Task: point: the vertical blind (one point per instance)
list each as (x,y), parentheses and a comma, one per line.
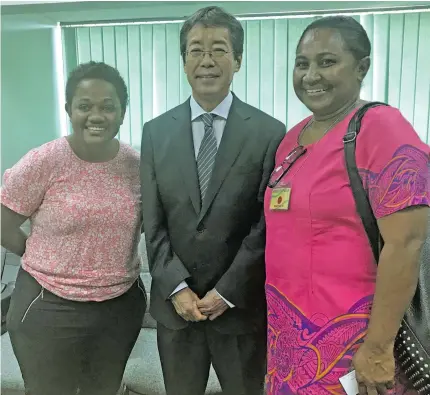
(148,57)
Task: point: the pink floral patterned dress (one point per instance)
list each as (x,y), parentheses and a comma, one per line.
(320,269)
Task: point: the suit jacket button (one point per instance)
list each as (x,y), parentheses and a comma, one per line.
(200,228)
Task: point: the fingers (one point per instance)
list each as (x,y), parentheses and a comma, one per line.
(183,313)
(209,310)
(193,309)
(206,309)
(190,312)
(371,390)
(374,378)
(390,385)
(185,304)
(362,389)
(382,389)
(210,306)
(217,313)
(197,315)
(192,316)
(214,316)
(204,304)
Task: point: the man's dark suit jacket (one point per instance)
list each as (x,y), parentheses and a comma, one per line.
(218,243)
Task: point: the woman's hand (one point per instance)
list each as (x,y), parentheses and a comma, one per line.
(374,369)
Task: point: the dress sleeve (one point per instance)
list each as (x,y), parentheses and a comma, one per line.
(25,184)
(393,162)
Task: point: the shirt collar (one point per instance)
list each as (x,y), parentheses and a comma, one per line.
(221,110)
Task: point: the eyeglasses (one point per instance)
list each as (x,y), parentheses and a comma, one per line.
(215,54)
(286,164)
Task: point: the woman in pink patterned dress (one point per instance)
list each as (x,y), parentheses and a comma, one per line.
(78,303)
(322,280)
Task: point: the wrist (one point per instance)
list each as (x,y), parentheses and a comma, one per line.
(180,292)
(381,334)
(378,345)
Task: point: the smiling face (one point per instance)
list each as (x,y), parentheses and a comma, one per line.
(95,111)
(327,77)
(210,77)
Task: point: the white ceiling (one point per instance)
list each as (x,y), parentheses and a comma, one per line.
(4,2)
(20,13)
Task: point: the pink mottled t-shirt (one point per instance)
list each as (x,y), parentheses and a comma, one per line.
(85,220)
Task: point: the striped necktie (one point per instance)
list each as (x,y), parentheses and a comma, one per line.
(207,153)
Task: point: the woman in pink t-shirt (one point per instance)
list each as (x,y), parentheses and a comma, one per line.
(322,280)
(78,303)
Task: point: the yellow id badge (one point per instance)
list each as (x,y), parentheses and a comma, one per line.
(280,199)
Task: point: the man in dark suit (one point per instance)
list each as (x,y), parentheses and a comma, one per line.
(205,166)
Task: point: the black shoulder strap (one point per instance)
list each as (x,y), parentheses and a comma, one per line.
(362,202)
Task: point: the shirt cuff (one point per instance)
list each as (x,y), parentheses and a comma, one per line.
(180,287)
(231,305)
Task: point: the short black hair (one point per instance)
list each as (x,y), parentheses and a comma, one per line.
(99,71)
(351,31)
(213,16)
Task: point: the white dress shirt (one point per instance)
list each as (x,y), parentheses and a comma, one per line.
(198,129)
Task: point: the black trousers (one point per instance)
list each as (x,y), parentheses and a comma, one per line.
(186,355)
(62,346)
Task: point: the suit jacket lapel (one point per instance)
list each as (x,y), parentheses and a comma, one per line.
(184,148)
(231,144)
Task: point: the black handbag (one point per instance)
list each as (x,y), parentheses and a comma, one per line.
(412,345)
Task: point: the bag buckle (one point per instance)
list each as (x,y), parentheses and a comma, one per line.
(349,137)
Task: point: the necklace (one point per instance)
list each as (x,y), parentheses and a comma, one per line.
(342,115)
(304,149)
(337,120)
